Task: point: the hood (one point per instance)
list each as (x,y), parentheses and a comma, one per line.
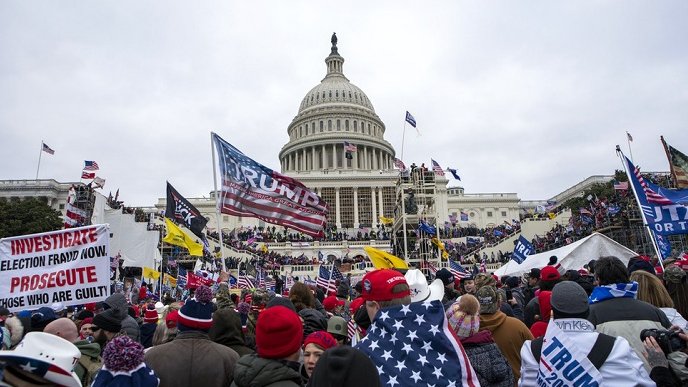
(226,329)
(118,301)
(313,321)
(482,337)
(492,321)
(255,371)
(88,349)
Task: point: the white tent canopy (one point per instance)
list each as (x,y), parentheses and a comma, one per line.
(572,256)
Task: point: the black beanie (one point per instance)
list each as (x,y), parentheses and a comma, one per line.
(110,320)
(84,314)
(344,366)
(283,301)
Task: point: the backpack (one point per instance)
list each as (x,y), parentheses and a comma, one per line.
(598,353)
(91,367)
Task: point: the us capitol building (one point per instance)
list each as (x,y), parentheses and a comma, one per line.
(360,186)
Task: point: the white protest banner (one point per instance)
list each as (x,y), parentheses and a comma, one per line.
(70,266)
(562,363)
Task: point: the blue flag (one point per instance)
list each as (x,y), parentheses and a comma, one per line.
(522,250)
(498,233)
(665,210)
(453,172)
(664,246)
(410,119)
(426,228)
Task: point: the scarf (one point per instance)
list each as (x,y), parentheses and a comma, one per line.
(607,292)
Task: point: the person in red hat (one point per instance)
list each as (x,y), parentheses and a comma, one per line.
(333,305)
(549,276)
(278,346)
(384,288)
(313,347)
(150,323)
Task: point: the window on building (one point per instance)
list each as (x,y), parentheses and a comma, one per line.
(62,206)
(329,125)
(503,214)
(346,200)
(365,207)
(321,126)
(489,214)
(339,126)
(346,125)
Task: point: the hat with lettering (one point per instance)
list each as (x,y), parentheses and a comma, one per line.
(337,326)
(445,275)
(569,297)
(549,273)
(322,339)
(420,290)
(378,285)
(487,297)
(47,356)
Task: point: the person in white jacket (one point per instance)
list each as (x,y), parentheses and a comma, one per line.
(620,367)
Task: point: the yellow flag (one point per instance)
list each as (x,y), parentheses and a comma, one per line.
(175,236)
(150,273)
(552,215)
(440,246)
(169,280)
(385,220)
(384,260)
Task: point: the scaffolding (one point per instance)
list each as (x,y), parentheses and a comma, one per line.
(416,201)
(80,203)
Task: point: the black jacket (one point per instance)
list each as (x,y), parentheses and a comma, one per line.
(255,371)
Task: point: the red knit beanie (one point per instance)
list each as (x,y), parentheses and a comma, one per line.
(150,316)
(172,318)
(322,339)
(278,332)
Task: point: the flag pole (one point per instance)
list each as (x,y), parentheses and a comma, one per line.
(329,280)
(403,135)
(217,203)
(40,154)
(640,207)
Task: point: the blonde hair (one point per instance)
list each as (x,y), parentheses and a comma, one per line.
(651,289)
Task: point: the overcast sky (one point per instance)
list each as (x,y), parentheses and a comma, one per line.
(524,97)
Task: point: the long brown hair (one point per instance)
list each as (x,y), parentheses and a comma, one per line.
(651,289)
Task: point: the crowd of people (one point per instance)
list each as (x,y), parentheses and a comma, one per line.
(608,323)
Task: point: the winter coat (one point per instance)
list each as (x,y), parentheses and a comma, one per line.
(626,317)
(531,310)
(509,333)
(226,330)
(89,363)
(147,331)
(622,367)
(489,364)
(313,321)
(255,371)
(675,318)
(191,359)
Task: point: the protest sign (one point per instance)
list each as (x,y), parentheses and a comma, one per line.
(70,266)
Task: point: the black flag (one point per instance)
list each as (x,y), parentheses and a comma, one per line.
(184,212)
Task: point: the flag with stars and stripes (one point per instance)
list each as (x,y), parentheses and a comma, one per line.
(664,211)
(181,277)
(253,190)
(457,270)
(436,168)
(412,345)
(325,281)
(245,282)
(425,264)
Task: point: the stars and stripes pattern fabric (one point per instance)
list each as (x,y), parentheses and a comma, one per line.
(349,147)
(336,274)
(324,281)
(679,167)
(181,277)
(245,282)
(429,267)
(88,175)
(457,270)
(412,344)
(399,164)
(652,196)
(90,165)
(251,189)
(483,266)
(621,186)
(436,168)
(48,149)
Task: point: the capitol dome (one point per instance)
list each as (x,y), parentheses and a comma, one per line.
(331,114)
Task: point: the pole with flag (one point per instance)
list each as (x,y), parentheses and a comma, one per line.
(44,148)
(412,121)
(217,204)
(640,206)
(629,139)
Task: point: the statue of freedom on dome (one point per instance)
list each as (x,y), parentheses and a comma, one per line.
(334,44)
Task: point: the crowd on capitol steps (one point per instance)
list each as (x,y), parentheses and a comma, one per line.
(607,324)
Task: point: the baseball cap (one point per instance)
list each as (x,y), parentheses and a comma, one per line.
(378,285)
(331,302)
(487,297)
(549,273)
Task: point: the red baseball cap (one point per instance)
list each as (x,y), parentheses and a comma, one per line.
(355,305)
(378,285)
(331,302)
(549,273)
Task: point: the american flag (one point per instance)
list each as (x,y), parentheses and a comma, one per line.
(309,281)
(652,196)
(457,270)
(245,281)
(90,165)
(429,266)
(436,168)
(349,147)
(483,266)
(250,189)
(48,149)
(288,282)
(324,280)
(621,186)
(336,274)
(412,344)
(399,164)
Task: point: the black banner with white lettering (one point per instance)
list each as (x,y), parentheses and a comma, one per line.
(179,209)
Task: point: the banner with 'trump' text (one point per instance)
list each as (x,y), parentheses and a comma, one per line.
(70,266)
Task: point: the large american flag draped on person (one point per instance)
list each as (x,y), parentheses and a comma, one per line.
(412,345)
(253,190)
